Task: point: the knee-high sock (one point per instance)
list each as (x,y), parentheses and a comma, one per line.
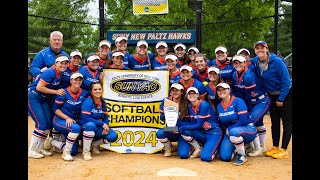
(193,142)
(238,143)
(58,144)
(97,143)
(36,137)
(256,143)
(165,142)
(70,141)
(55,134)
(262,134)
(87,140)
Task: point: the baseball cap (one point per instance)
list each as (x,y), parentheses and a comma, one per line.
(61,58)
(194,48)
(177,86)
(243,49)
(120,38)
(75,75)
(161,43)
(220,48)
(117,54)
(171,56)
(142,42)
(93,57)
(239,58)
(187,67)
(215,69)
(105,42)
(192,89)
(260,42)
(223,85)
(180,45)
(75,53)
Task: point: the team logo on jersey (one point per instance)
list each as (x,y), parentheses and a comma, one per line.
(138,87)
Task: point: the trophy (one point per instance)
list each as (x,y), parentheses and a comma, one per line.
(171,114)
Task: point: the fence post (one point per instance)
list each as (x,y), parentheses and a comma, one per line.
(101,19)
(199,24)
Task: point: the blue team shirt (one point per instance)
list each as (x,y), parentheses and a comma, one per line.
(203,117)
(159,63)
(233,114)
(65,79)
(195,83)
(89,76)
(91,113)
(226,70)
(137,63)
(70,103)
(201,76)
(212,94)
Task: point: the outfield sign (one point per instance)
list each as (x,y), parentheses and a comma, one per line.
(133,101)
(150,7)
(153,36)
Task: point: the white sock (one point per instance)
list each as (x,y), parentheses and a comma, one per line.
(256,143)
(193,142)
(165,142)
(87,140)
(70,141)
(238,143)
(262,134)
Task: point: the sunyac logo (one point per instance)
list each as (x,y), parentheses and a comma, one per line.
(138,87)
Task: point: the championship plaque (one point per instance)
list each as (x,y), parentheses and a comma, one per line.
(171,113)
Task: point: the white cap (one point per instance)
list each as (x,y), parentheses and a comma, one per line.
(243,49)
(180,45)
(193,89)
(75,75)
(239,58)
(187,67)
(61,58)
(171,56)
(215,69)
(76,53)
(120,38)
(220,48)
(177,86)
(195,49)
(224,85)
(93,57)
(142,42)
(161,43)
(105,42)
(117,54)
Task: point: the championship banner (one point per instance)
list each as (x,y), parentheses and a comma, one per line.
(133,101)
(150,7)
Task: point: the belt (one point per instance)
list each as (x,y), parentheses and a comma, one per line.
(38,93)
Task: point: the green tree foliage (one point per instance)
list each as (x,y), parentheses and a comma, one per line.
(51,15)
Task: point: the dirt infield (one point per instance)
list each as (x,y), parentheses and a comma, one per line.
(112,165)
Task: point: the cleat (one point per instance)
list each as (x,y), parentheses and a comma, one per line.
(272,151)
(47,143)
(67,157)
(168,152)
(196,153)
(281,154)
(87,156)
(44,152)
(241,159)
(255,153)
(95,149)
(35,154)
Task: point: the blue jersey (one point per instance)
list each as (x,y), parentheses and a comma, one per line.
(125,61)
(70,103)
(275,77)
(233,114)
(201,76)
(137,63)
(44,58)
(194,83)
(92,113)
(65,79)
(89,76)
(50,77)
(203,117)
(162,116)
(175,77)
(212,94)
(159,63)
(226,69)
(247,88)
